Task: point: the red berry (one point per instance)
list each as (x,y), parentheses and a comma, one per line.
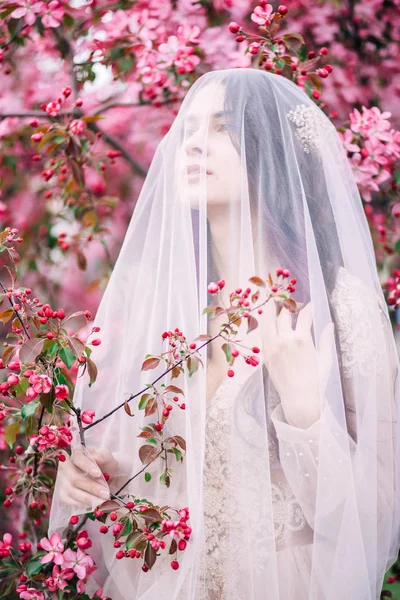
(158,426)
(113,516)
(19,450)
(182,406)
(182,544)
(145,568)
(256,350)
(120,554)
(231,373)
(7,502)
(175,565)
(130,505)
(103,529)
(74,519)
(192,346)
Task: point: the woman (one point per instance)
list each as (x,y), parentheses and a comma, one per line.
(291,468)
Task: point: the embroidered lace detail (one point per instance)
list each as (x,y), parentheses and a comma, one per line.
(311,126)
(357,318)
(288,516)
(228,493)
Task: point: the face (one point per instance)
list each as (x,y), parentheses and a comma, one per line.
(208,162)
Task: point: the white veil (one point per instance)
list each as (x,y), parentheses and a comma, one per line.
(276,510)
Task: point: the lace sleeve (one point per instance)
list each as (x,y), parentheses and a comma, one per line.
(366,342)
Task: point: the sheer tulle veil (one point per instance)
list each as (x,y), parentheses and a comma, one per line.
(252,176)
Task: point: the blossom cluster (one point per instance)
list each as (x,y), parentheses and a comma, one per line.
(374,148)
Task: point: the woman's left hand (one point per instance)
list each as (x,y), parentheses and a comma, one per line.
(298,370)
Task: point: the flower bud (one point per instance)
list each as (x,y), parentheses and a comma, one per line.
(234,27)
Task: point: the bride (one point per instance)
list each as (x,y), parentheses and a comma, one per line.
(291,467)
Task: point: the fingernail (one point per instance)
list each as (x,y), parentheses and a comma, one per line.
(104,494)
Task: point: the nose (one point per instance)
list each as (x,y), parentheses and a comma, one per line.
(195,143)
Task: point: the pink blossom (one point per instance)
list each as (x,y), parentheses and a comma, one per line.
(82,564)
(372,122)
(59,578)
(348,141)
(53,15)
(54,548)
(31,594)
(53,109)
(28,9)
(82,540)
(31,394)
(263,16)
(5,545)
(88,416)
(61,392)
(52,436)
(77,126)
(40,383)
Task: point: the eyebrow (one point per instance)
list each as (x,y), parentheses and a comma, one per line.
(217,115)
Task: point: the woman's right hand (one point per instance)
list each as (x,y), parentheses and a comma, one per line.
(81,482)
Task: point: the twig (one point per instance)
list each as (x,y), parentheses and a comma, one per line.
(177,364)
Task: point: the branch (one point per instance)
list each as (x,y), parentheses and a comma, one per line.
(177,364)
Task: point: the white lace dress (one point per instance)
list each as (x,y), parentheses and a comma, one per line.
(288,445)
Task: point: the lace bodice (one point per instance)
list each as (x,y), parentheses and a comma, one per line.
(222,519)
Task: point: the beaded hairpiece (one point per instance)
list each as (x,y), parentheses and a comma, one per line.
(310,125)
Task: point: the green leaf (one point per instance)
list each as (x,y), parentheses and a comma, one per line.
(127,528)
(397,246)
(29,409)
(152,440)
(147,477)
(133,539)
(67,356)
(11,433)
(178,453)
(227,348)
(34,567)
(143,401)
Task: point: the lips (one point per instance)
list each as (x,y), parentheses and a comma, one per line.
(195,169)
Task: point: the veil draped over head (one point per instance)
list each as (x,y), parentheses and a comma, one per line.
(252,176)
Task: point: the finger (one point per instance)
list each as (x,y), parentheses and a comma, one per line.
(86,463)
(91,486)
(101,456)
(284,321)
(77,497)
(304,320)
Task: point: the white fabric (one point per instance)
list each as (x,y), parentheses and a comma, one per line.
(277,511)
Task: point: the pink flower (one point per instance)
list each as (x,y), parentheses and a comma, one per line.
(54,548)
(28,9)
(263,16)
(62,392)
(31,594)
(213,288)
(77,126)
(53,109)
(59,578)
(88,416)
(54,14)
(82,564)
(31,394)
(52,436)
(371,123)
(82,540)
(40,383)
(347,140)
(5,545)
